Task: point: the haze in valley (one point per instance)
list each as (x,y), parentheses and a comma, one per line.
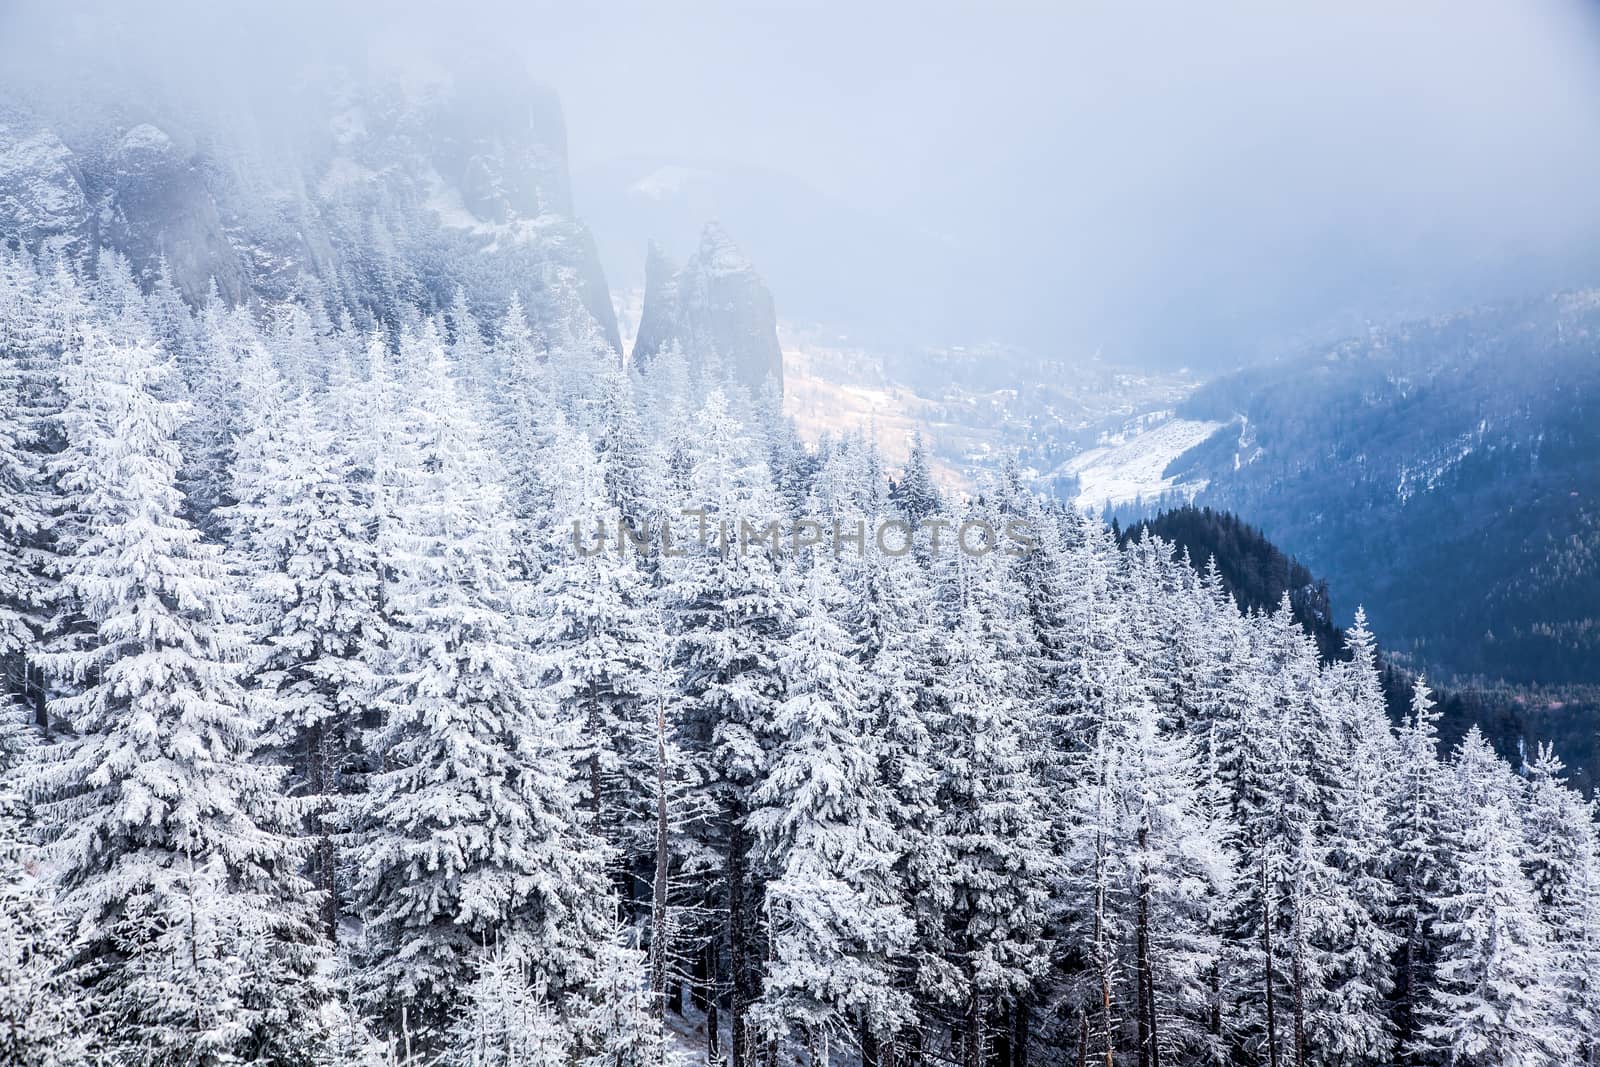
(1169,185)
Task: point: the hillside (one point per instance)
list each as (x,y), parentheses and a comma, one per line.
(1446,474)
(1515,719)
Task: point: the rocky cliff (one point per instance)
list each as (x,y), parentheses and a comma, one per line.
(716,308)
(383,189)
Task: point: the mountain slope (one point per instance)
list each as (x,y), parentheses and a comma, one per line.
(1259,574)
(387,188)
(1446,474)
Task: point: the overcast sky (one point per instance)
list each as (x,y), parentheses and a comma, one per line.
(1146,173)
(1173,182)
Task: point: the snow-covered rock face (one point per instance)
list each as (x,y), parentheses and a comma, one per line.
(145,149)
(717,308)
(371,183)
(142,197)
(475,174)
(156,203)
(41,191)
(516,172)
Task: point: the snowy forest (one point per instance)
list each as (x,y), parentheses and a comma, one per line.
(326,746)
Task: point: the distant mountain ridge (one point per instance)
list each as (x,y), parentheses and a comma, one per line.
(387,191)
(1445,473)
(1258,574)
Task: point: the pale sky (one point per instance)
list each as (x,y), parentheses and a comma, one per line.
(1171,182)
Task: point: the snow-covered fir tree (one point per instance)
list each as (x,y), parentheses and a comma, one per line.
(469,833)
(824,823)
(359,754)
(302,529)
(40,1019)
(175,853)
(1491,1001)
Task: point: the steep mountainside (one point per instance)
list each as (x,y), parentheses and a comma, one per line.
(1446,474)
(716,309)
(832,262)
(1255,571)
(387,189)
(1259,574)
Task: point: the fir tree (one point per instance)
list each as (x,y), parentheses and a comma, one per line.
(173,850)
(729,613)
(41,1021)
(823,822)
(1419,864)
(1561,859)
(916,494)
(469,834)
(302,527)
(1490,1003)
(985,863)
(590,638)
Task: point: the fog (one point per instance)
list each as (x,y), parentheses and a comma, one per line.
(1167,184)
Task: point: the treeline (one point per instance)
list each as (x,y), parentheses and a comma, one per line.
(1254,570)
(1514,719)
(330,749)
(1458,454)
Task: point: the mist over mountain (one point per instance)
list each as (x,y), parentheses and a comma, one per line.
(1445,472)
(453,615)
(834,263)
(1201,190)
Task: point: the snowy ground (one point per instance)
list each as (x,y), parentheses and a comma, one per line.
(686,1044)
(1132,465)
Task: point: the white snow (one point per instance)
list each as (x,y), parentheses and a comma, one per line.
(719,254)
(1425,475)
(344,173)
(146,138)
(666,181)
(1131,465)
(445,201)
(38,190)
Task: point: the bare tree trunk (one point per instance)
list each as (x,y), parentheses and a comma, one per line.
(319,781)
(1021,1031)
(596,727)
(1299,992)
(973,1037)
(713,1020)
(1000,1053)
(1216,1003)
(740,951)
(1083,1040)
(871,1052)
(1102,953)
(1149,1052)
(1406,1029)
(660,934)
(1266,945)
(700,992)
(33,681)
